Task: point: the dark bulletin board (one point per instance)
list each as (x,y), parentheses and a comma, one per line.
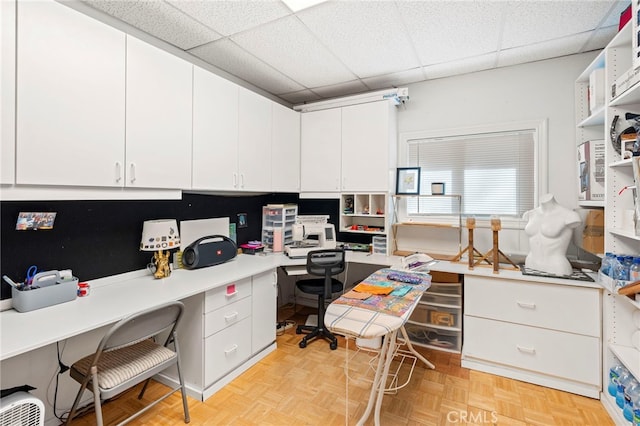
(96,239)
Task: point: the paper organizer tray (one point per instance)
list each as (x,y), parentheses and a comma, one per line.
(37,298)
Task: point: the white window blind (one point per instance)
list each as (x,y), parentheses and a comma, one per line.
(494,173)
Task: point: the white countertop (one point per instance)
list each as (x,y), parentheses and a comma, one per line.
(113,298)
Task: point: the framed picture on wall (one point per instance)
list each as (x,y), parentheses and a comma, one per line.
(408,181)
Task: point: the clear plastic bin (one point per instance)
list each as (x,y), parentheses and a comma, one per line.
(442,299)
(446,288)
(436,315)
(436,338)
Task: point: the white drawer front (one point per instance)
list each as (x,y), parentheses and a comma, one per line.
(558,307)
(555,353)
(226,349)
(227,315)
(226,294)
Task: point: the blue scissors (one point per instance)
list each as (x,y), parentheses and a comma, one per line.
(31,272)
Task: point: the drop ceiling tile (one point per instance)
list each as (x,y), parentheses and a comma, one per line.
(367,37)
(529,22)
(461,66)
(600,38)
(341,89)
(394,79)
(286,44)
(296,98)
(448,30)
(230,17)
(231,58)
(540,51)
(158,19)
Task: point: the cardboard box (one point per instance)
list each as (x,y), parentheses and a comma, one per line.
(593,233)
(591,167)
(596,89)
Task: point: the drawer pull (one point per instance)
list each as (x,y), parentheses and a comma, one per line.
(528,305)
(233,316)
(230,351)
(526,350)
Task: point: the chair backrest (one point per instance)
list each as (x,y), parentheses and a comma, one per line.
(143,325)
(326,262)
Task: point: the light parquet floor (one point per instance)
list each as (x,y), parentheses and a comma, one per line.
(294,386)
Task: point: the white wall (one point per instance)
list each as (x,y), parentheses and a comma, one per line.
(534,91)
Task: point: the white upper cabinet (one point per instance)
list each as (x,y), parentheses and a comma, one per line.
(320,151)
(70,98)
(7,91)
(215,132)
(254,142)
(368,146)
(159,115)
(285,150)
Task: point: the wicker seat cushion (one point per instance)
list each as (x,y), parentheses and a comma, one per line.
(118,366)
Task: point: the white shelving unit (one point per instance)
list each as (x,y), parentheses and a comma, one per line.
(619,313)
(363,213)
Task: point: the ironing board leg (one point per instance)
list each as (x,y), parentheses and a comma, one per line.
(378,380)
(411,348)
(388,357)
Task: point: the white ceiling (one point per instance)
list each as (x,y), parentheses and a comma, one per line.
(340,48)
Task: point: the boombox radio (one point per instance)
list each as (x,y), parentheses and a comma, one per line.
(208,251)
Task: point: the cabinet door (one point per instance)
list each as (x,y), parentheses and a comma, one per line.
(285,150)
(366,146)
(158,149)
(254,142)
(320,145)
(7,91)
(263,296)
(215,132)
(71,98)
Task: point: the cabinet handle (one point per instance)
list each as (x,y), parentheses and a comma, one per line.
(118,171)
(526,350)
(528,305)
(132,170)
(230,351)
(233,316)
(241,180)
(233,293)
(235,180)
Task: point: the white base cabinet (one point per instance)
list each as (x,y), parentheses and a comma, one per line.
(225,331)
(547,334)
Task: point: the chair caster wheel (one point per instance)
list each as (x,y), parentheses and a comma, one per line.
(298,331)
(302,344)
(333,346)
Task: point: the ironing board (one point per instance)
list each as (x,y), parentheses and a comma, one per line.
(379,316)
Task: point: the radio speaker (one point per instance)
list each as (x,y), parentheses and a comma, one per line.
(208,251)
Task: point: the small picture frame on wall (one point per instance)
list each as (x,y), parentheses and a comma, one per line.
(408,181)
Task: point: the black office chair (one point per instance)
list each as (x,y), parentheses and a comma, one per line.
(326,264)
(128,355)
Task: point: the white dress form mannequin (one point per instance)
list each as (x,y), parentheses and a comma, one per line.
(550,229)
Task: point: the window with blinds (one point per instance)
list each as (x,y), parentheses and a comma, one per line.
(494,172)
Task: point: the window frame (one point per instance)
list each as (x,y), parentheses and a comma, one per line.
(541,184)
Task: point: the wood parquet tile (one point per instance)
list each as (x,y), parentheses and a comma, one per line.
(294,386)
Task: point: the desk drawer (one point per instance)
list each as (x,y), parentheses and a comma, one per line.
(226,349)
(226,294)
(555,353)
(559,307)
(227,315)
